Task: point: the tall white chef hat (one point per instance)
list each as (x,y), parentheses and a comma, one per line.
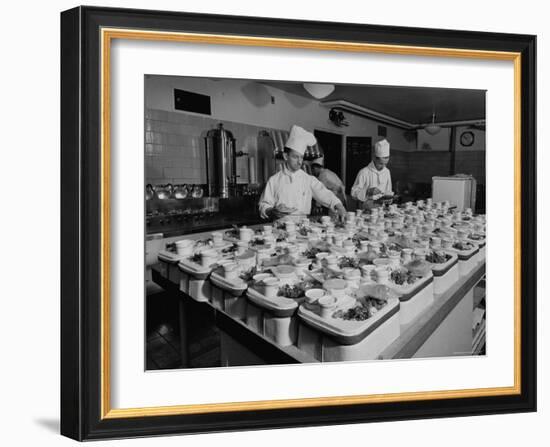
(382,148)
(299,139)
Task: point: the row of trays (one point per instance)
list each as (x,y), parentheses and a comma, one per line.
(289,321)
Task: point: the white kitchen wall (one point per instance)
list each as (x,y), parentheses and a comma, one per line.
(249,102)
(438,142)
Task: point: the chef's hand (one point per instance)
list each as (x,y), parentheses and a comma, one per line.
(280,211)
(341,212)
(373,191)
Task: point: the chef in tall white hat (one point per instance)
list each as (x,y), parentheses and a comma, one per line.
(289,191)
(374,180)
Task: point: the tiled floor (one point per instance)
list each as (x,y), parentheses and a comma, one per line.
(163,340)
(163,335)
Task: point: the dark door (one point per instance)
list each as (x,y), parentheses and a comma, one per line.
(331,144)
(358,155)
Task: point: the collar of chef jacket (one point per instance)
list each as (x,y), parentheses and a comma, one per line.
(376,171)
(291,175)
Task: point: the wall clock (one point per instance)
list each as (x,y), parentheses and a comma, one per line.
(467,138)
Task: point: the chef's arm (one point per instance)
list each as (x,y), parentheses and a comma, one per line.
(326,197)
(359,188)
(267,201)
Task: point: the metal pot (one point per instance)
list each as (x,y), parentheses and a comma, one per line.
(313,152)
(181,191)
(164,191)
(197,192)
(149,192)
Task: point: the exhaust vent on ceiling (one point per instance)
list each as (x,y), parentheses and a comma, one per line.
(192,102)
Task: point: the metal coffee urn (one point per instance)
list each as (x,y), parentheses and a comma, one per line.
(221,162)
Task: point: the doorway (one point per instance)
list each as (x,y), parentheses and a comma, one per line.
(358,155)
(331,144)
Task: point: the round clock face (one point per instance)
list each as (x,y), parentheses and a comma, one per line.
(467,138)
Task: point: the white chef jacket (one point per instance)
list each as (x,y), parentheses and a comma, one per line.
(370,177)
(295,190)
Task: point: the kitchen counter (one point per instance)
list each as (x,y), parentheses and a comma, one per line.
(212,223)
(177,217)
(418,332)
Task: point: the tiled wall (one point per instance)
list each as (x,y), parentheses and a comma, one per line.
(421,166)
(424,165)
(471,162)
(175,152)
(175,147)
(399,165)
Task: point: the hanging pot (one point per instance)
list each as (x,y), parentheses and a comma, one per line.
(181,191)
(164,191)
(149,192)
(197,192)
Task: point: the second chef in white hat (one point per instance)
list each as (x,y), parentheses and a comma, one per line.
(289,191)
(374,180)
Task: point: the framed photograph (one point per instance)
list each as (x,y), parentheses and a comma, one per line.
(277,223)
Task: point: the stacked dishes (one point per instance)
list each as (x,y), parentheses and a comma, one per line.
(313,270)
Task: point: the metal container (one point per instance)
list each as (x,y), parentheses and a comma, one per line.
(221,166)
(149,192)
(181,191)
(164,191)
(313,152)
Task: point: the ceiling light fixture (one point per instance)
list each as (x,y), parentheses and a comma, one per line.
(432,128)
(319,91)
